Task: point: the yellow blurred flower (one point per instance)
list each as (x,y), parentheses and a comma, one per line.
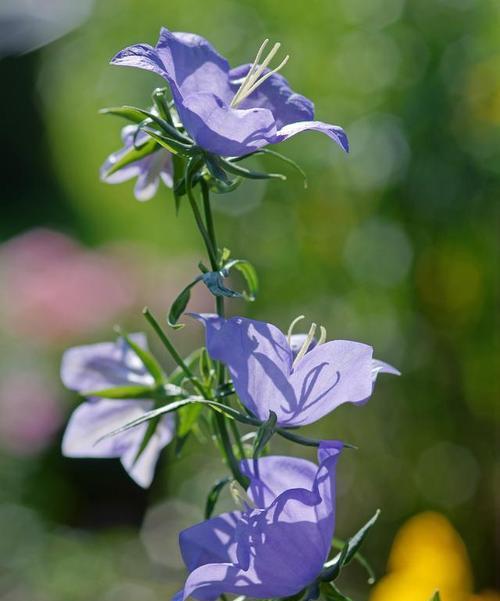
(428,555)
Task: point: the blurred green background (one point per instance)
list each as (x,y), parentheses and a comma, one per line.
(393,245)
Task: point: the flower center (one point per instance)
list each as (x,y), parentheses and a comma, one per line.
(308,339)
(254,78)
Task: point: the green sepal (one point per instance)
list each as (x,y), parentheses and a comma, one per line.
(179,186)
(127,112)
(160,99)
(330,592)
(248,173)
(133,154)
(122,392)
(179,305)
(249,273)
(264,434)
(333,567)
(286,160)
(149,361)
(214,166)
(213,496)
(167,142)
(339,544)
(436,596)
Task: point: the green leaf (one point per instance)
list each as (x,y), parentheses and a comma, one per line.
(148,435)
(188,416)
(264,434)
(213,496)
(330,592)
(333,567)
(122,392)
(248,173)
(149,361)
(249,274)
(133,154)
(179,305)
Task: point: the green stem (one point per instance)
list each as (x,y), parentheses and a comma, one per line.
(173,352)
(219,301)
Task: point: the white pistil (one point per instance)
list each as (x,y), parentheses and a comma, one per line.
(240,496)
(305,346)
(253,78)
(292,326)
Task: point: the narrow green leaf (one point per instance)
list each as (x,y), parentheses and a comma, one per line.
(188,416)
(213,496)
(148,435)
(122,392)
(248,173)
(264,434)
(179,305)
(228,412)
(249,274)
(179,187)
(355,541)
(149,361)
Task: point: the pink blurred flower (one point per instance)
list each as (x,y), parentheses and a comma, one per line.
(55,290)
(30,413)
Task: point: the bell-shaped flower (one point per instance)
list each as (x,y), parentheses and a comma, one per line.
(148,170)
(300,386)
(230,112)
(97,367)
(277,545)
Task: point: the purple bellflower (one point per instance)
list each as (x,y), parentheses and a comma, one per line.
(99,367)
(230,112)
(300,385)
(277,545)
(149,170)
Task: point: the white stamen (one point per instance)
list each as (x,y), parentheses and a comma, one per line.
(291,328)
(305,346)
(322,336)
(240,496)
(253,78)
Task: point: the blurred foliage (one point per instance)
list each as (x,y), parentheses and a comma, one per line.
(393,245)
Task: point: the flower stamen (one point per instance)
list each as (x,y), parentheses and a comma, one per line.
(254,77)
(305,346)
(322,336)
(292,327)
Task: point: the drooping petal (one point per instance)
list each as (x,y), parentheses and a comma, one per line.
(271,476)
(210,541)
(329,375)
(149,177)
(142,469)
(276,95)
(92,420)
(223,130)
(258,357)
(105,365)
(335,132)
(122,175)
(381,367)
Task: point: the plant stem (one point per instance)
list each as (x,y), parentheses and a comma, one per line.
(219,302)
(173,352)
